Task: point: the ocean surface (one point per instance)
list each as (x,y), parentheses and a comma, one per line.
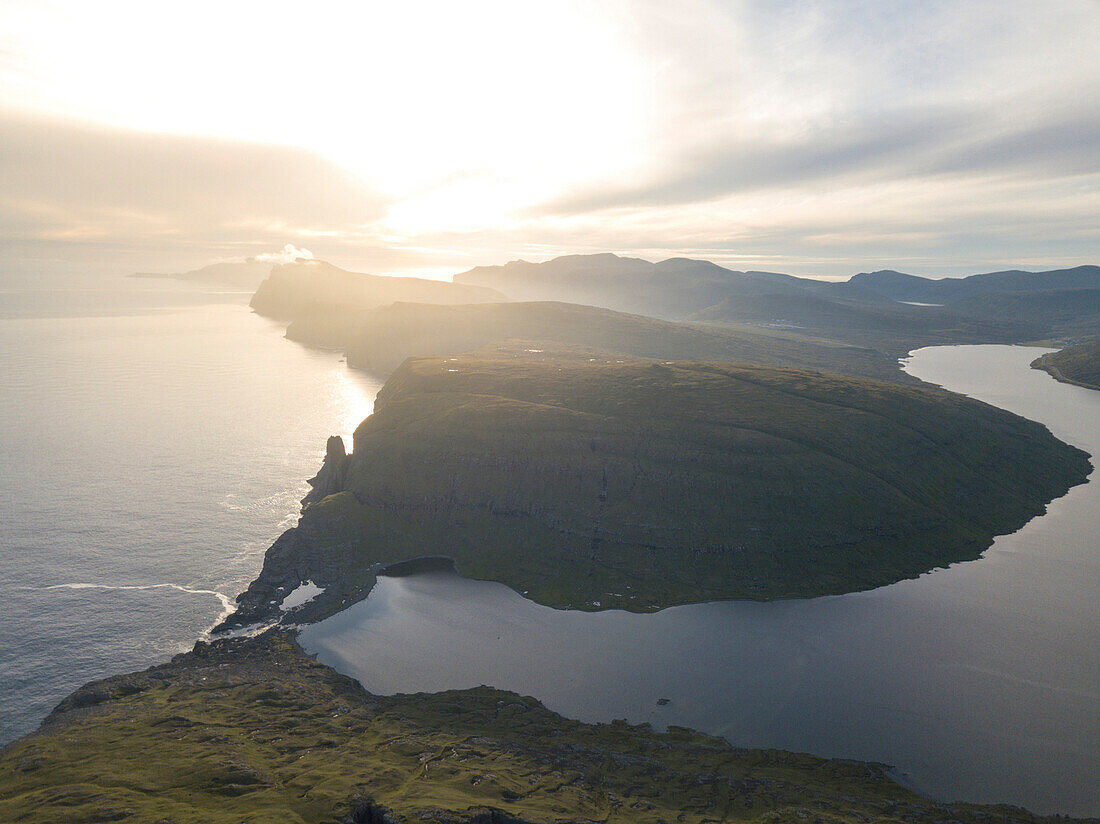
(155,438)
(980,682)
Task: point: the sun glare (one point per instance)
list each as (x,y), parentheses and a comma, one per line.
(461,111)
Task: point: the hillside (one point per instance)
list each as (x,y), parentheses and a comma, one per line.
(388,335)
(314,289)
(891,328)
(670,289)
(592,483)
(870,309)
(1079,364)
(255,730)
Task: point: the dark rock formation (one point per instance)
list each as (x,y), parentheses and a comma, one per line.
(330,479)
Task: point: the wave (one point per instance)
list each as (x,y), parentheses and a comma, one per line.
(226,602)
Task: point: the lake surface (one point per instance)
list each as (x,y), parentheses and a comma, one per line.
(980,682)
(155,438)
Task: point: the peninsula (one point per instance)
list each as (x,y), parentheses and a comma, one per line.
(593,481)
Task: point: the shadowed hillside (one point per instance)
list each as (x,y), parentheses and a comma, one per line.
(589,483)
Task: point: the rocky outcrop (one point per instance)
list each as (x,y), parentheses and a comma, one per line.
(330,479)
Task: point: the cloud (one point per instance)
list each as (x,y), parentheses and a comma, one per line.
(73,184)
(767,133)
(288,254)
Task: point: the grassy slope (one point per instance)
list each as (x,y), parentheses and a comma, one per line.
(1079,364)
(390,334)
(640,485)
(255,731)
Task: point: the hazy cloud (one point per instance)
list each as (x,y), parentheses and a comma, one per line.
(810,135)
(288,254)
(73,183)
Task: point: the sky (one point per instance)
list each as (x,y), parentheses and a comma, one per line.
(823,137)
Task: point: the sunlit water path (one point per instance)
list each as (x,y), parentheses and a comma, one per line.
(979,682)
(155,439)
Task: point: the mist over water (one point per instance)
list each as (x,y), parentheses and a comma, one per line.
(978,682)
(157,437)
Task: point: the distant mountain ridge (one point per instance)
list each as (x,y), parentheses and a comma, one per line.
(870,309)
(605,273)
(670,289)
(902,287)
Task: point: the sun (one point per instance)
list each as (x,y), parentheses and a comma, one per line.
(462,113)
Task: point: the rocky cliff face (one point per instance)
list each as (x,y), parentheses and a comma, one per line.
(330,479)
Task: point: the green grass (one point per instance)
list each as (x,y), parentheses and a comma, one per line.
(1078,364)
(255,731)
(638,485)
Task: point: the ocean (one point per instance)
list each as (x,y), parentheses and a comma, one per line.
(155,438)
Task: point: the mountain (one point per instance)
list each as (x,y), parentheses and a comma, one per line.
(670,289)
(901,287)
(871,309)
(627,483)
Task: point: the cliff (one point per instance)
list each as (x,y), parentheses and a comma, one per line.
(592,483)
(330,479)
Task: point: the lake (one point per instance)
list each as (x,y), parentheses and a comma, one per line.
(980,682)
